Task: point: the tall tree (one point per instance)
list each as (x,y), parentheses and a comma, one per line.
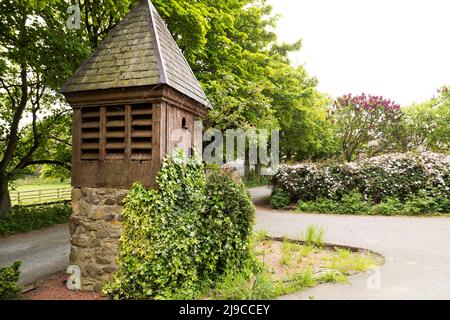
(34,59)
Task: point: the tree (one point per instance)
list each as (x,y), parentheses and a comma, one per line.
(34,60)
(247,74)
(230,45)
(362,119)
(301,111)
(425,126)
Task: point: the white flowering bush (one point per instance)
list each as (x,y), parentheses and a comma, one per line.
(377,179)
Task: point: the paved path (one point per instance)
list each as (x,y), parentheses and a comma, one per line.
(42,252)
(416,250)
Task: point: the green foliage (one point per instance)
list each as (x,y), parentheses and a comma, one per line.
(346,262)
(398,176)
(8,281)
(24,219)
(246,284)
(37,54)
(252,181)
(279,199)
(246,73)
(422,204)
(179,239)
(260,284)
(314,236)
(228,221)
(425,125)
(362,119)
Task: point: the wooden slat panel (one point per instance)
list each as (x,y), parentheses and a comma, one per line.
(76,135)
(90,146)
(141,146)
(90,125)
(141,134)
(115,124)
(92,114)
(128,118)
(115,134)
(90,135)
(142,112)
(142,122)
(115,113)
(102,133)
(115,145)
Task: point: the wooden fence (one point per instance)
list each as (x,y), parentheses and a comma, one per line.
(24,198)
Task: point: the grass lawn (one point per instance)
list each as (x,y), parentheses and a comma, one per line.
(39,191)
(252,182)
(290,267)
(38,184)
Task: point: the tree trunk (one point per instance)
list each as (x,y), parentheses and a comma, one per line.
(5,200)
(258,170)
(247,171)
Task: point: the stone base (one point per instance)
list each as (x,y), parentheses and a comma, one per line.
(95,228)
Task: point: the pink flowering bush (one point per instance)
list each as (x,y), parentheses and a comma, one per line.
(360,120)
(391,176)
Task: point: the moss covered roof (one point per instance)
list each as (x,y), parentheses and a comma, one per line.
(139,51)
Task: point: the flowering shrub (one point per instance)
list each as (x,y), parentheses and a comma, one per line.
(377,179)
(363,119)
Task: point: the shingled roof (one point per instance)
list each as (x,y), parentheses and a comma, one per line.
(139,51)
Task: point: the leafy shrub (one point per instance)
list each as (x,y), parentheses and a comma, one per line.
(24,219)
(350,204)
(389,207)
(179,239)
(353,204)
(377,179)
(279,199)
(8,281)
(227,223)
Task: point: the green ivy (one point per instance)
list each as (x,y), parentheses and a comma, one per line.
(8,281)
(180,238)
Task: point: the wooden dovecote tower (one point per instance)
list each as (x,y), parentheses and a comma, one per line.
(127,98)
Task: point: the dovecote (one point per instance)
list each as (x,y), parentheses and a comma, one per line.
(127,99)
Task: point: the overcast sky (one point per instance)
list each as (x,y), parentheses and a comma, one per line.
(396,48)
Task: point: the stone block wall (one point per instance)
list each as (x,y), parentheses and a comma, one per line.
(95,228)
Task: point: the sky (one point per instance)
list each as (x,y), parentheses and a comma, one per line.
(396,48)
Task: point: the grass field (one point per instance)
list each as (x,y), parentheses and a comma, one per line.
(38,184)
(39,191)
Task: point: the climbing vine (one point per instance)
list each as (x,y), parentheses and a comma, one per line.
(180,238)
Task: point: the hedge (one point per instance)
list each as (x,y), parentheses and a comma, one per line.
(25,219)
(378,179)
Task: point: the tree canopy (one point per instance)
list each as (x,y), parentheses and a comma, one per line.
(230,45)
